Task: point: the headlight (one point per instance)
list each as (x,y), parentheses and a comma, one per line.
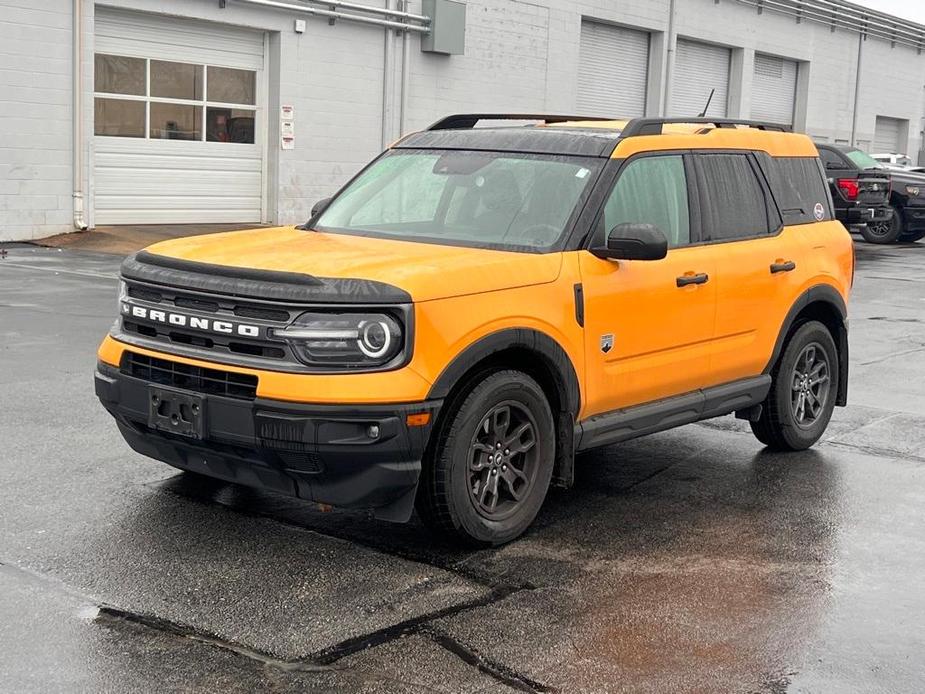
(123,293)
(359,340)
(913,191)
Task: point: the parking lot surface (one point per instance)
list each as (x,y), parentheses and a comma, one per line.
(689,561)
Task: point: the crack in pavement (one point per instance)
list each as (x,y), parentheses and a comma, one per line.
(497,671)
(321,661)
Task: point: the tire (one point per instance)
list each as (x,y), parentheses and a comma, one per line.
(884,232)
(466,492)
(912,236)
(783,425)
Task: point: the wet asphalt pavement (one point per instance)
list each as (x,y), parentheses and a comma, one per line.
(689,561)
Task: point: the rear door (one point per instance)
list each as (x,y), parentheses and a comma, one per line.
(648,324)
(759,262)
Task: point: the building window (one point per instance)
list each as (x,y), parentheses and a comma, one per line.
(166,100)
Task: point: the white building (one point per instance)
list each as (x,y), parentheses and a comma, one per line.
(185,104)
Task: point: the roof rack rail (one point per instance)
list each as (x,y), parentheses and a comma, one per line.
(462,121)
(653,126)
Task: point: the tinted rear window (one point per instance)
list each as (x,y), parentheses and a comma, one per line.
(798,185)
(737,207)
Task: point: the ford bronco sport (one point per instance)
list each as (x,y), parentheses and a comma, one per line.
(479,304)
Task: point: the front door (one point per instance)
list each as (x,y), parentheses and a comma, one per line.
(648,324)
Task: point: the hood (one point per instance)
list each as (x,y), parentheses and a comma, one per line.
(423,270)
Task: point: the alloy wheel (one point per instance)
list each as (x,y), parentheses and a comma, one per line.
(810,385)
(503,458)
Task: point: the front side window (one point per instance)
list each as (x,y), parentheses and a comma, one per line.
(652,190)
(167,100)
(483,199)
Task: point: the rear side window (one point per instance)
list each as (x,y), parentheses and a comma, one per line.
(736,206)
(799,186)
(652,190)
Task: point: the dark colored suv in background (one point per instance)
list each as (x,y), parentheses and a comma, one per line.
(885,205)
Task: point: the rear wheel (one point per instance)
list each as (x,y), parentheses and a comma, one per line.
(488,474)
(887,231)
(803,390)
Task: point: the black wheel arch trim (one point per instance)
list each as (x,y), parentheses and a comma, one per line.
(820,293)
(558,364)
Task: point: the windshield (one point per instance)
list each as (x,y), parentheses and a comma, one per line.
(484,199)
(863,160)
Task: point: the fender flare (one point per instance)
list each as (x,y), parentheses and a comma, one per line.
(559,366)
(552,353)
(820,293)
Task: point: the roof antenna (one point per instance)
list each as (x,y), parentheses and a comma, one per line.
(707,107)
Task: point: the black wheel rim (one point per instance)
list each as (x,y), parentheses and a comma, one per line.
(810,381)
(503,458)
(883,228)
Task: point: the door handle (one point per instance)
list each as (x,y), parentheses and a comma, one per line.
(685,280)
(789,266)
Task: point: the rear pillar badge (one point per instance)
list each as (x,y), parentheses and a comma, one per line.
(606,342)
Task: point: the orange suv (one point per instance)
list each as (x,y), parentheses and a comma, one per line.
(479,304)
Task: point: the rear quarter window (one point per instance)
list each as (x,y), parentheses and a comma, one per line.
(798,185)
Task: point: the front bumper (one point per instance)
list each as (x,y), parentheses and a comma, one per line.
(321,453)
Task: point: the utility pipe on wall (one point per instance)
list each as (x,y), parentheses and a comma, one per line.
(669,61)
(77,119)
(388,81)
(304,9)
(405,75)
(857,91)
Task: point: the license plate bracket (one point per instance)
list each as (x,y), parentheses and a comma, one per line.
(176,411)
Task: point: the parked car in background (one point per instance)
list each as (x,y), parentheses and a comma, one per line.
(904,220)
(861,196)
(900,162)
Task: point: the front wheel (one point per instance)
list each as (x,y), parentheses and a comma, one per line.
(887,231)
(803,391)
(488,474)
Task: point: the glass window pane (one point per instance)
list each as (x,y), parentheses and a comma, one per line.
(230,86)
(119,118)
(115,74)
(176,122)
(229,125)
(176,80)
(737,203)
(652,190)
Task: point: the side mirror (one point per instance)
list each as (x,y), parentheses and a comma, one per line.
(634,242)
(320,206)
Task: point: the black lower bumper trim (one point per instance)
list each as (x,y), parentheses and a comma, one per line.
(352,456)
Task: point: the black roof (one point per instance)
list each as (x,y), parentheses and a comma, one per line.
(587,142)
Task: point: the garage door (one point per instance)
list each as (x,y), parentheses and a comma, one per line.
(699,68)
(178,121)
(889,134)
(612,70)
(774,89)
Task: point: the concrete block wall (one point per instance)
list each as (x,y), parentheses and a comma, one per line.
(521,55)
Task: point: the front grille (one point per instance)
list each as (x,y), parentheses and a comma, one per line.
(219,307)
(187,377)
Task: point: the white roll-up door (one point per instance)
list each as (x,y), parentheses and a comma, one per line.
(700,68)
(774,89)
(179,121)
(612,70)
(888,136)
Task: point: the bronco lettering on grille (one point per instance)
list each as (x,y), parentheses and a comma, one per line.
(195,322)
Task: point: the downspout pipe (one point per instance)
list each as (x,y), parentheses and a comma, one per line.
(388,82)
(669,61)
(77,118)
(405,76)
(857,91)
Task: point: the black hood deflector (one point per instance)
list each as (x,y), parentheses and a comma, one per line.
(269,285)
